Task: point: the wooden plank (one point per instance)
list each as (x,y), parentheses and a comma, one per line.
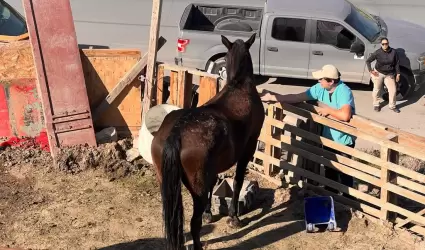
(192,71)
(101,76)
(208,88)
(268,164)
(160,86)
(386,177)
(408,220)
(358,154)
(333,184)
(184,89)
(110,52)
(404,192)
(410,184)
(329,163)
(412,216)
(152,52)
(124,82)
(174,78)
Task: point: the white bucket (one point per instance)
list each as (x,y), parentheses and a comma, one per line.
(153,120)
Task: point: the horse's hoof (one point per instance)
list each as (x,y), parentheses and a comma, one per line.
(207,218)
(234,223)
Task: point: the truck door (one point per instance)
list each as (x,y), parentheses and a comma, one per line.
(286,49)
(330,44)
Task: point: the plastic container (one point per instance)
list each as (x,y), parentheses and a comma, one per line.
(319,210)
(153,120)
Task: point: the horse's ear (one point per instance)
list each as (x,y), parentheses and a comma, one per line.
(250,41)
(226,42)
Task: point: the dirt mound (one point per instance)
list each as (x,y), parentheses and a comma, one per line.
(110,157)
(12,156)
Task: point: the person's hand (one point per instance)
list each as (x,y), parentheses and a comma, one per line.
(397,78)
(375,73)
(266,96)
(323,111)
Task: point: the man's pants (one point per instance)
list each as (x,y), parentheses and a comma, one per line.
(389,81)
(332,174)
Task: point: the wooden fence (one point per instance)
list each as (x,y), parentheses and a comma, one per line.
(292,146)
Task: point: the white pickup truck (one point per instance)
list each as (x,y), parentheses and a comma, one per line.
(298,37)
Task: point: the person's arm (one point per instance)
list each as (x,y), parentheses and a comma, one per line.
(397,66)
(344,113)
(310,94)
(371,58)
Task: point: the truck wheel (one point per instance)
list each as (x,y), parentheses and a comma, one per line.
(404,88)
(218,68)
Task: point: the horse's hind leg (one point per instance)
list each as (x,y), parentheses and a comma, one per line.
(199,204)
(207,216)
(233,220)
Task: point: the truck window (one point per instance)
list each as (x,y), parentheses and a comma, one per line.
(334,34)
(10,24)
(289,29)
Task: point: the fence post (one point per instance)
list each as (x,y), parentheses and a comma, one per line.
(296,160)
(387,176)
(160,85)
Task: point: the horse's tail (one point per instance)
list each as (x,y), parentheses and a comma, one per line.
(172,205)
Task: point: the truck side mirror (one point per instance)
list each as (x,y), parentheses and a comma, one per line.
(358,48)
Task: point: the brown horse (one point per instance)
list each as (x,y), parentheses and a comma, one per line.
(194,145)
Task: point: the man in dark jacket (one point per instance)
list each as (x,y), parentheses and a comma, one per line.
(387,71)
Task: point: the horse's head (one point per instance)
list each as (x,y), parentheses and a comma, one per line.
(238,59)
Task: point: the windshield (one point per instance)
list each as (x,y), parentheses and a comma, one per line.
(364,23)
(10,23)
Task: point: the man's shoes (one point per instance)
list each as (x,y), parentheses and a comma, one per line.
(377,108)
(396,110)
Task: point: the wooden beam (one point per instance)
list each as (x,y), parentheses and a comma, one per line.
(153,43)
(124,82)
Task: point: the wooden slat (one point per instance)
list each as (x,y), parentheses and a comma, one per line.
(356,153)
(415,228)
(329,163)
(387,177)
(330,155)
(406,221)
(152,55)
(110,52)
(208,88)
(333,184)
(192,71)
(412,216)
(265,158)
(405,193)
(410,184)
(174,88)
(160,86)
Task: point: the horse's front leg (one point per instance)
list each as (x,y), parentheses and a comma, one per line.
(233,220)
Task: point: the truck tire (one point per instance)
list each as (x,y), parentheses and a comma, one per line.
(404,89)
(218,68)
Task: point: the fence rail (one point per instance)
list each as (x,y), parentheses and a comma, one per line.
(293,146)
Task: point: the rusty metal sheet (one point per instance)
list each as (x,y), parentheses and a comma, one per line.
(59,72)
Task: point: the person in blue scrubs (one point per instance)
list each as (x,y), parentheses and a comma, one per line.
(337,100)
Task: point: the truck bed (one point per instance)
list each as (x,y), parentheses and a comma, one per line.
(212,18)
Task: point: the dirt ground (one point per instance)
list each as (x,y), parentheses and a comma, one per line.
(95,199)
